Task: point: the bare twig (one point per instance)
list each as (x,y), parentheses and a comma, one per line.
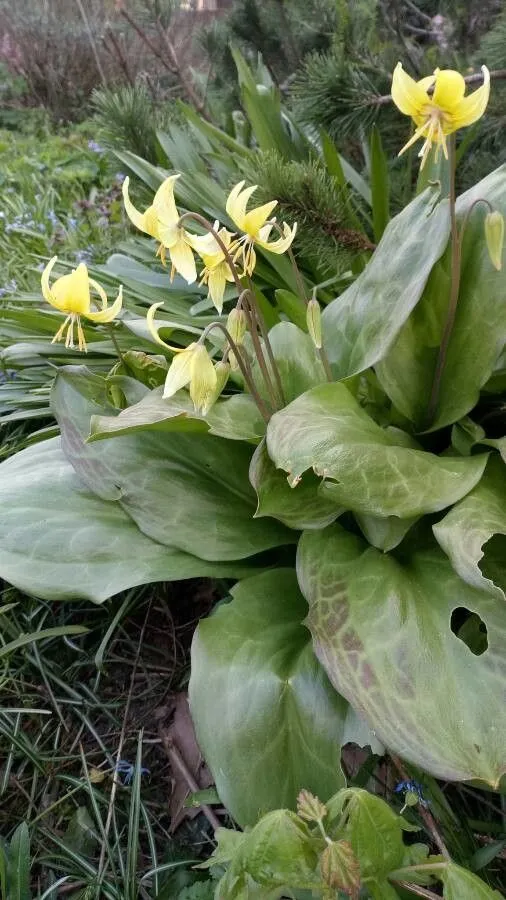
(177,761)
(418,890)
(119,53)
(92,42)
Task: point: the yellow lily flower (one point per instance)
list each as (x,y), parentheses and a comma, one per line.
(160,221)
(216,271)
(191,366)
(444,111)
(71,294)
(256,227)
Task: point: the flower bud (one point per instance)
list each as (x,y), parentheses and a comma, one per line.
(203,380)
(222,370)
(340,868)
(494,236)
(314,322)
(237,324)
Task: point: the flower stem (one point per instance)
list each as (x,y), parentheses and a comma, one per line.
(302,292)
(244,367)
(265,335)
(251,309)
(454,291)
(118,348)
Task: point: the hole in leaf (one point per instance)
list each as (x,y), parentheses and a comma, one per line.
(470,629)
(492,563)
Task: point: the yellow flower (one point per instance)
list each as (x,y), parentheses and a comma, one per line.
(191,366)
(441,113)
(160,221)
(216,271)
(256,227)
(71,294)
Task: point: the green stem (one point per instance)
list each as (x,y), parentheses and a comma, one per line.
(454,292)
(255,307)
(118,348)
(243,365)
(252,304)
(302,292)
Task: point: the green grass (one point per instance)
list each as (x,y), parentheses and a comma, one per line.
(73,704)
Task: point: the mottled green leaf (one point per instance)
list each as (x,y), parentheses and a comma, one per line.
(366,468)
(298,507)
(479,332)
(360,326)
(166,483)
(267,720)
(61,542)
(465,530)
(236,418)
(298,362)
(381,628)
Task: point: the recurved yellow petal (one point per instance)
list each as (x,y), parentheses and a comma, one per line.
(282,243)
(47,293)
(164,202)
(256,218)
(471,108)
(237,201)
(203,380)
(107,314)
(408,95)
(449,89)
(180,372)
(216,282)
(72,292)
(182,257)
(137,218)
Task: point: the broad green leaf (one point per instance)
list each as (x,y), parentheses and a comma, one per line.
(293,307)
(61,542)
(299,365)
(465,530)
(19,863)
(361,325)
(280,722)
(298,507)
(235,418)
(384,533)
(380,186)
(167,484)
(460,884)
(479,332)
(366,468)
(381,628)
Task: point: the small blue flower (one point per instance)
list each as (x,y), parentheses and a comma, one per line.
(411,787)
(7,375)
(53,218)
(72,223)
(96,148)
(120,177)
(128,771)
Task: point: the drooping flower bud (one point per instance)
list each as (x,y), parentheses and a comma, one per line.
(494,236)
(314,322)
(237,324)
(222,370)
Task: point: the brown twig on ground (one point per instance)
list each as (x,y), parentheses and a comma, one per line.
(177,761)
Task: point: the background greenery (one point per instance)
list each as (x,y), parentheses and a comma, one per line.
(73,121)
